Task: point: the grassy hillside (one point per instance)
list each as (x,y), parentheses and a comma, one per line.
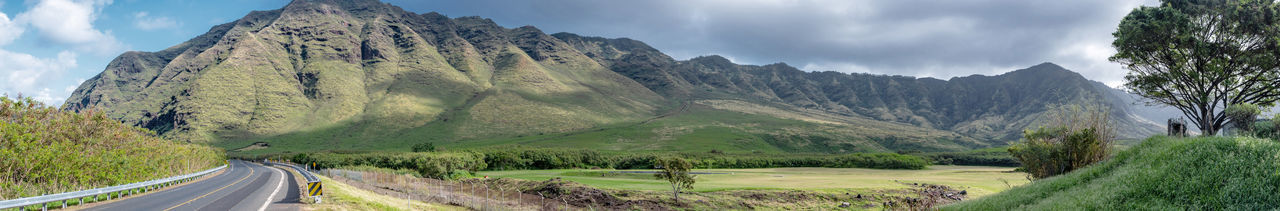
(44,150)
(1211,173)
(729,126)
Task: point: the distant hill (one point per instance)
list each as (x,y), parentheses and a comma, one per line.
(364,75)
(984,107)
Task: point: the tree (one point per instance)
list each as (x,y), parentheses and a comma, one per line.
(676,171)
(1242,117)
(424,147)
(1202,55)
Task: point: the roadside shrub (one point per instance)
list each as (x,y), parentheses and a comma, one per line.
(44,150)
(1077,138)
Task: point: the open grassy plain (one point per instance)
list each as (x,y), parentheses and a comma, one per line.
(977,180)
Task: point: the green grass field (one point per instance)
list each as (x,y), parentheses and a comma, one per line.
(978,180)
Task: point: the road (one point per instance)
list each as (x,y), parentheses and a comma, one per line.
(243,186)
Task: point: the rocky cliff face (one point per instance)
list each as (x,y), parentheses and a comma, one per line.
(319,63)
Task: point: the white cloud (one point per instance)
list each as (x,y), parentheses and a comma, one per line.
(144,21)
(25,74)
(9,29)
(71,22)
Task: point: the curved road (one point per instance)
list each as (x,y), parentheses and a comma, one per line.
(243,186)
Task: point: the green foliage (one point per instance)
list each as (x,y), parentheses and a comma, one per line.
(675,171)
(1242,116)
(980,157)
(367,168)
(434,165)
(1077,138)
(879,161)
(1054,151)
(1199,55)
(451,164)
(424,147)
(1162,173)
(44,150)
(538,158)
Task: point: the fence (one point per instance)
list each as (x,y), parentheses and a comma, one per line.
(474,194)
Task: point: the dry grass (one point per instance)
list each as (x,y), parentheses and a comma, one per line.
(977,180)
(339,196)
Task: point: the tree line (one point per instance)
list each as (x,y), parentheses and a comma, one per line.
(454,164)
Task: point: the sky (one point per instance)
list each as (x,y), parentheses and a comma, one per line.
(49,47)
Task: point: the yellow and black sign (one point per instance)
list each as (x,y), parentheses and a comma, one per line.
(315,189)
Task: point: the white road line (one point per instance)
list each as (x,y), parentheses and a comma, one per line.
(273,192)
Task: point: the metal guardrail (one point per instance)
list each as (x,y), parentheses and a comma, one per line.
(305,174)
(314,187)
(43,201)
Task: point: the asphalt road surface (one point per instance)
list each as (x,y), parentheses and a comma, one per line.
(243,186)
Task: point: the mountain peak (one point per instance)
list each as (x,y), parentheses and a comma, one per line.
(1046,69)
(711,59)
(1048,66)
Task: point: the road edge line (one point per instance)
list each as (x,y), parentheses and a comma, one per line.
(273,192)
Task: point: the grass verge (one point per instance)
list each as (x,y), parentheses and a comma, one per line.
(339,196)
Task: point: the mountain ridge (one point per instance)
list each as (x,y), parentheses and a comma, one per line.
(369,75)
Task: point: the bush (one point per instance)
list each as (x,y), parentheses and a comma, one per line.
(424,147)
(1078,138)
(1242,116)
(44,150)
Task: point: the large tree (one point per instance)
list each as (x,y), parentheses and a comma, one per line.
(1201,56)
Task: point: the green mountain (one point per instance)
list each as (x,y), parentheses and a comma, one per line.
(364,75)
(984,107)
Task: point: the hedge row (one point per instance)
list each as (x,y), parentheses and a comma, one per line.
(452,164)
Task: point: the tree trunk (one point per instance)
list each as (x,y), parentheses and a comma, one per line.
(1206,123)
(675,192)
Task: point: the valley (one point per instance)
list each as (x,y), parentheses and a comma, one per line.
(372,105)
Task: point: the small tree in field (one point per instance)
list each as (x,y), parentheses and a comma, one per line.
(675,171)
(424,147)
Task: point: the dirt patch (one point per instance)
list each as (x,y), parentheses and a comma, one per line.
(254,146)
(578,195)
(925,197)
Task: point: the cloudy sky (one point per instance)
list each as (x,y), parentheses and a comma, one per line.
(48,47)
